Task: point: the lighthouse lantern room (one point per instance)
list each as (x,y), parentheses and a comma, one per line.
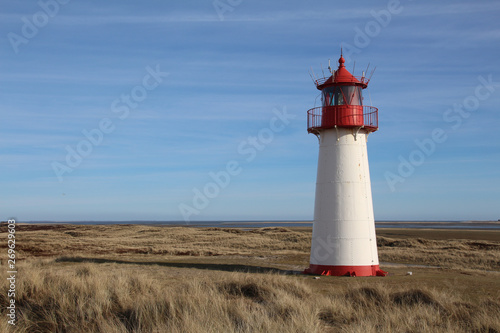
(343,241)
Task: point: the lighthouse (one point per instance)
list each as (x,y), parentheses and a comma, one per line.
(343,240)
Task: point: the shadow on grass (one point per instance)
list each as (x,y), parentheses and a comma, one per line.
(215,267)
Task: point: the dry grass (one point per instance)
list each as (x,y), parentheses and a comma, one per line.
(90,298)
(136,241)
(48,240)
(158,279)
(458,253)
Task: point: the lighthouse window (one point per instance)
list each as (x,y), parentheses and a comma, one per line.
(351,95)
(342,95)
(339,96)
(328,96)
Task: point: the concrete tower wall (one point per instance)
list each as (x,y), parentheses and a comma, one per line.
(344,227)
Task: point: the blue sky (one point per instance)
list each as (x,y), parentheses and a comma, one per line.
(220,89)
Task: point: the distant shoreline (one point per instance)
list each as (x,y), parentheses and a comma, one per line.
(470,225)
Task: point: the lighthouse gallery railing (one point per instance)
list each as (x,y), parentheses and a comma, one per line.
(324,117)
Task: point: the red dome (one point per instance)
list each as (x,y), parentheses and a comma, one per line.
(341,77)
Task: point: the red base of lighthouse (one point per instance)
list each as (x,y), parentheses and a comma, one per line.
(373,270)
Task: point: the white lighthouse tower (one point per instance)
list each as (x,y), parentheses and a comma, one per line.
(343,241)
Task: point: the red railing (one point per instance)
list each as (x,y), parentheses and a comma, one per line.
(324,117)
(361,79)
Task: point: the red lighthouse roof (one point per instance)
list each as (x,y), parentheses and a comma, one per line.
(342,77)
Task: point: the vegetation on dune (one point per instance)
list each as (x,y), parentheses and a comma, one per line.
(148,279)
(126,241)
(137,239)
(89,299)
(456,253)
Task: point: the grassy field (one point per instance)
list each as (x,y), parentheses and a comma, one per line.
(133,278)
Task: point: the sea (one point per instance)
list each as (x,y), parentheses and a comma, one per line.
(472,225)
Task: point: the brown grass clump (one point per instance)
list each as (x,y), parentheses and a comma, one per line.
(376,309)
(90,299)
(455,253)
